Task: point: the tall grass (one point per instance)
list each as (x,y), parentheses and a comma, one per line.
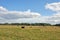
(14,32)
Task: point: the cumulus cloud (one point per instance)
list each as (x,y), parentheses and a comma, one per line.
(30,17)
(4,13)
(3,9)
(55,18)
(18,16)
(53,6)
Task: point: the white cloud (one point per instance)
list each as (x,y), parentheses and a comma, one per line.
(55,18)
(17,14)
(53,6)
(28,16)
(3,9)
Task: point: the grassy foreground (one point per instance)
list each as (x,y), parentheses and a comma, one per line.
(13,32)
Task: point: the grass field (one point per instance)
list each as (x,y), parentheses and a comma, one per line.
(14,32)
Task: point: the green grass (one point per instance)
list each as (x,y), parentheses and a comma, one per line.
(12,32)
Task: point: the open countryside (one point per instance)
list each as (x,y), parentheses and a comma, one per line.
(29,19)
(14,32)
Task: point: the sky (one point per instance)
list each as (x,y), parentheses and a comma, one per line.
(30,11)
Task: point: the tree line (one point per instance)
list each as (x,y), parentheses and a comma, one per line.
(33,24)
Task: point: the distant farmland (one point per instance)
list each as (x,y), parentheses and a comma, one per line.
(14,32)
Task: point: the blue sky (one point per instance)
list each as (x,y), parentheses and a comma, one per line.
(47,11)
(33,5)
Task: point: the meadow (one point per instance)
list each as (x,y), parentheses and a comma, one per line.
(14,32)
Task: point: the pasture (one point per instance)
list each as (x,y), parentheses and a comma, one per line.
(14,32)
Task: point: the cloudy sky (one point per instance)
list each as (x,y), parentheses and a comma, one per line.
(30,11)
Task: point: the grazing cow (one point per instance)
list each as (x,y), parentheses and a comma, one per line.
(23,27)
